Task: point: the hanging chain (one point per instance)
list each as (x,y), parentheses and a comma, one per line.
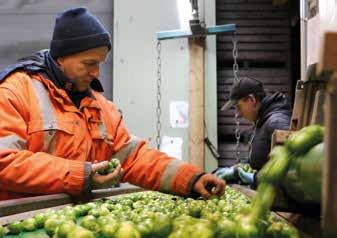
(158,109)
(236,78)
(235,57)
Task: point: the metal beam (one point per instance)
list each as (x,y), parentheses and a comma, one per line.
(211,30)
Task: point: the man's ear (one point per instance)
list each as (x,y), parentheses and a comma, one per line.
(252,98)
(59,61)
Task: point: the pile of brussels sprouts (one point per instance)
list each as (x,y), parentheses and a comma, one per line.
(153,214)
(112,165)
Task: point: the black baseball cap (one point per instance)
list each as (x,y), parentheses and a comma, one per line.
(242,88)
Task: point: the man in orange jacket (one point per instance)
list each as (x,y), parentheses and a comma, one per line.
(57,130)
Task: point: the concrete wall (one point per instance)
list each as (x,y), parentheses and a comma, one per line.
(135,69)
(27,26)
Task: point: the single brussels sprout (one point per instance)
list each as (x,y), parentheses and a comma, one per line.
(127,230)
(29,224)
(2,231)
(80,232)
(64,229)
(15,228)
(51,225)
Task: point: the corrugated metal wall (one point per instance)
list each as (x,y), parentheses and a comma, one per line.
(263,33)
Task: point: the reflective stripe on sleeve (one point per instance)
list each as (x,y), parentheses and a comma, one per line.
(13,142)
(124,153)
(168,175)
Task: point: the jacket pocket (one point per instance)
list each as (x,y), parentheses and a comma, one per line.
(42,134)
(98,131)
(39,125)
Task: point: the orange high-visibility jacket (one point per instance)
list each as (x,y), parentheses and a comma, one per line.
(45,141)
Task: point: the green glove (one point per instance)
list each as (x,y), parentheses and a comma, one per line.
(227,173)
(246,177)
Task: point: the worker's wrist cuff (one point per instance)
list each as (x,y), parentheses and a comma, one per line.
(87,180)
(192,182)
(251,177)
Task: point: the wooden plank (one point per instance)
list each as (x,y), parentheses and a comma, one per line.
(225,113)
(268,88)
(307,106)
(227,162)
(317,116)
(244,1)
(268,7)
(328,53)
(256,46)
(306,111)
(253,23)
(253,15)
(221,39)
(329,185)
(281,56)
(297,114)
(231,155)
(196,102)
(310,93)
(230,146)
(279,137)
(232,121)
(230,129)
(262,30)
(223,96)
(271,80)
(255,72)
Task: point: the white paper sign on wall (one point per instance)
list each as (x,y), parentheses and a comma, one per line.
(179,114)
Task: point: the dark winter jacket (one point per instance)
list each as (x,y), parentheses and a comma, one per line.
(274,113)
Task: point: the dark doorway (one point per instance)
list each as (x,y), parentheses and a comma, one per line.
(269,50)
